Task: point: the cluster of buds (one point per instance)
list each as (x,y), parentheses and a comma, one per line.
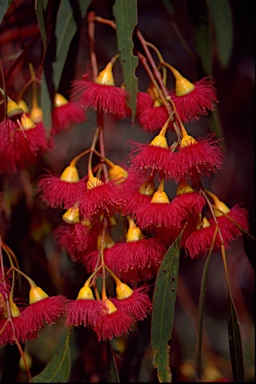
(119,220)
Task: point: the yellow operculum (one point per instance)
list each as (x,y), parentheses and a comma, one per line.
(183,187)
(36,294)
(134,233)
(15,312)
(160,197)
(106,77)
(85,293)
(59,100)
(23,105)
(70,174)
(182,86)
(159,141)
(123,291)
(108,241)
(222,207)
(71,216)
(187,140)
(202,222)
(93,182)
(86,223)
(13,109)
(36,114)
(111,308)
(118,173)
(27,122)
(147,188)
(157,103)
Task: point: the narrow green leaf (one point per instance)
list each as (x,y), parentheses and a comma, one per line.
(235,343)
(125,13)
(40,7)
(113,376)
(4,5)
(221,17)
(65,30)
(46,103)
(58,368)
(83,5)
(163,311)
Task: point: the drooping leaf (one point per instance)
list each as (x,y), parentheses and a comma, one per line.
(65,30)
(235,343)
(4,5)
(40,7)
(163,311)
(58,369)
(84,4)
(46,103)
(222,21)
(112,374)
(125,13)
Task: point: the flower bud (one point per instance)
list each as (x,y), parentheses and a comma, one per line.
(36,294)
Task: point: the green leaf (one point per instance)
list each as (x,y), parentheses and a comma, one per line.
(83,5)
(4,5)
(125,13)
(46,103)
(40,7)
(65,30)
(221,17)
(163,311)
(113,376)
(235,343)
(58,369)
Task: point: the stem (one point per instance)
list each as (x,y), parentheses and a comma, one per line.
(91,33)
(78,157)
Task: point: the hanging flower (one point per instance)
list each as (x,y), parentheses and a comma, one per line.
(193,100)
(195,159)
(65,114)
(60,191)
(102,95)
(135,302)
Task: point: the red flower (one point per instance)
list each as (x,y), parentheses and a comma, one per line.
(57,192)
(196,159)
(66,116)
(75,238)
(102,97)
(138,305)
(158,215)
(144,101)
(84,312)
(46,310)
(22,328)
(150,160)
(198,243)
(112,323)
(198,102)
(153,119)
(188,204)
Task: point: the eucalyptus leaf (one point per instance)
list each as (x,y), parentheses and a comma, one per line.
(113,376)
(163,311)
(40,7)
(58,369)
(125,13)
(4,5)
(84,4)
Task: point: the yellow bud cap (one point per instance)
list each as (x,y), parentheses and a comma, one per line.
(111,308)
(157,103)
(159,141)
(93,182)
(13,109)
(59,100)
(182,85)
(106,77)
(86,223)
(147,188)
(23,105)
(187,140)
(118,173)
(15,312)
(183,187)
(27,122)
(70,174)
(134,233)
(222,207)
(123,291)
(85,293)
(71,216)
(36,294)
(108,241)
(36,114)
(160,197)
(205,223)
